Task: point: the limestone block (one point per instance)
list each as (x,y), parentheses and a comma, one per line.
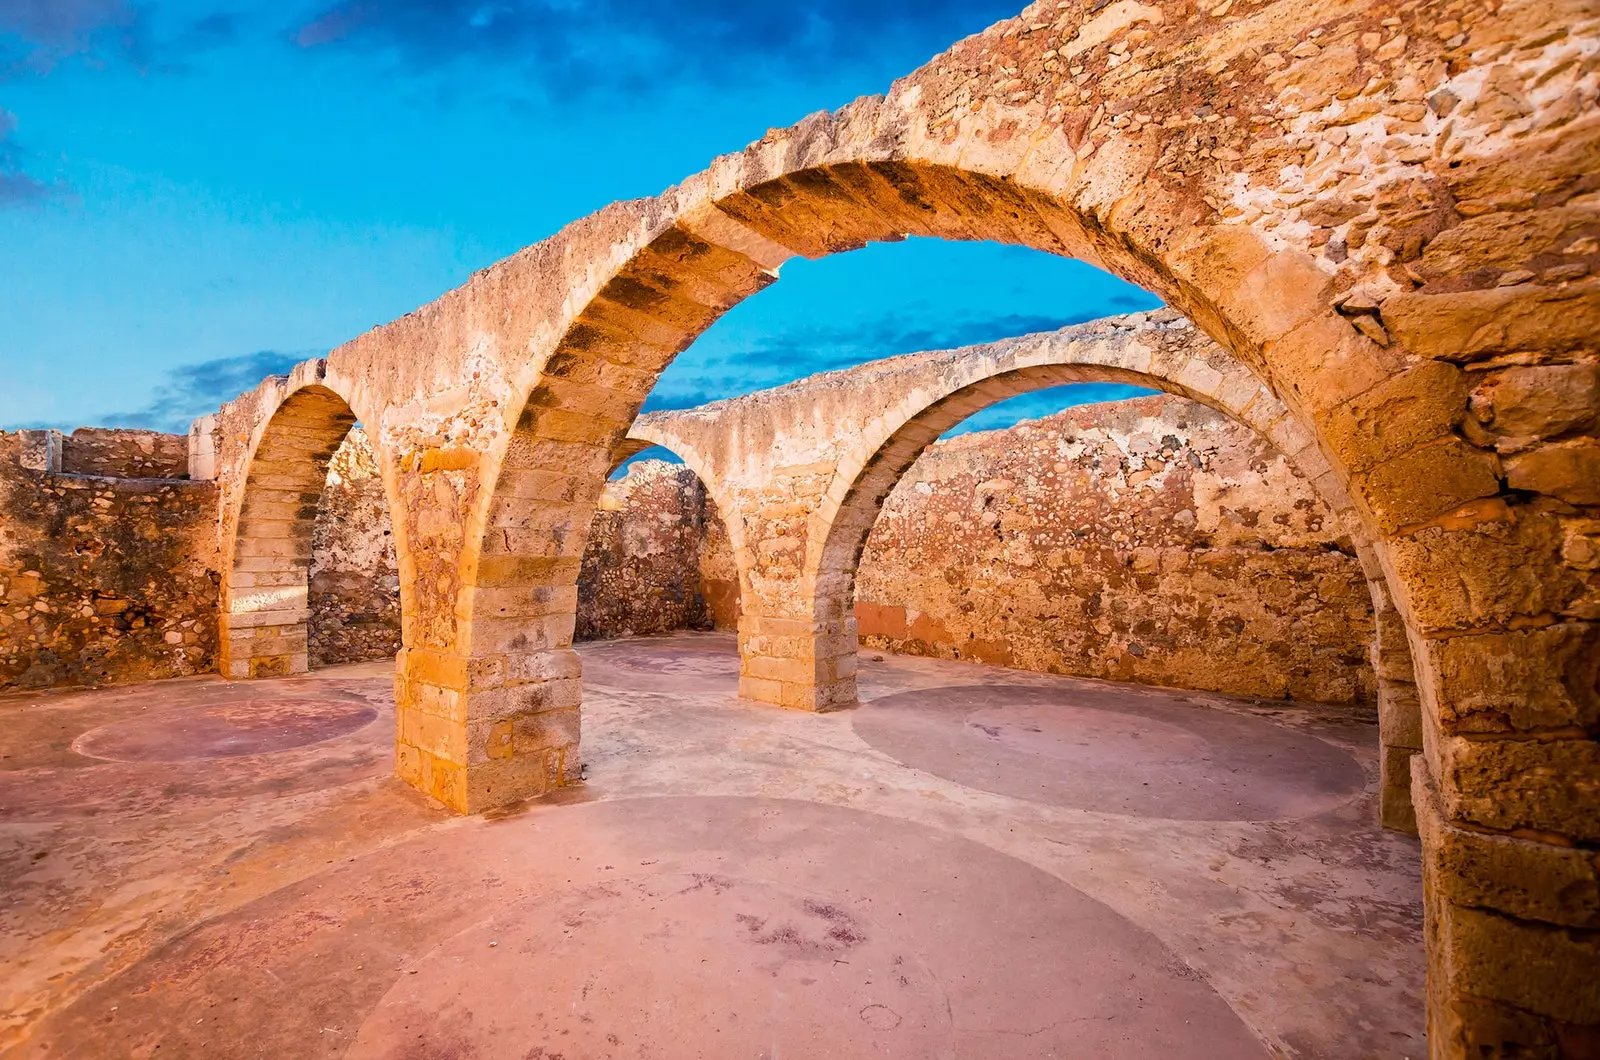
(1569,470)
(1551,785)
(1470,325)
(1543,970)
(1398,415)
(1521,877)
(1428,482)
(1528,679)
(1526,403)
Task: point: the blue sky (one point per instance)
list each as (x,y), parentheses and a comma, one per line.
(195,193)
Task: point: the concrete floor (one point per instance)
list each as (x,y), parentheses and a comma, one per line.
(976,863)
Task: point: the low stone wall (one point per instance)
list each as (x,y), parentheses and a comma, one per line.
(642,566)
(104,579)
(124,454)
(1153,541)
(108,567)
(355,584)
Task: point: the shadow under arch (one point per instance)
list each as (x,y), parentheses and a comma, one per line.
(268,516)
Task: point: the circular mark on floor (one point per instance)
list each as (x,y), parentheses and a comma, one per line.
(669,665)
(645,967)
(225,730)
(1112,751)
(657,919)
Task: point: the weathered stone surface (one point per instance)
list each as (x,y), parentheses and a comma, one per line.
(1149,540)
(642,565)
(1532,679)
(103,580)
(1569,471)
(124,454)
(1549,785)
(1472,325)
(1520,877)
(1520,406)
(354,578)
(1181,150)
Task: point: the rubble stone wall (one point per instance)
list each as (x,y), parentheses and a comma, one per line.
(1153,540)
(124,453)
(642,565)
(108,570)
(354,592)
(102,579)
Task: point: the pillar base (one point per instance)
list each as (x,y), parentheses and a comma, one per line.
(482,734)
(797,663)
(254,646)
(1513,930)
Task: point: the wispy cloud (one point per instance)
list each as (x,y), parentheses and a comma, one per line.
(698,377)
(17,187)
(573,48)
(195,389)
(36,35)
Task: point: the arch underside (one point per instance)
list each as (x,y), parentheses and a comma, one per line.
(266,606)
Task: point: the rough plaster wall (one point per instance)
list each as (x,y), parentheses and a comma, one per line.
(355,583)
(641,567)
(1153,541)
(103,580)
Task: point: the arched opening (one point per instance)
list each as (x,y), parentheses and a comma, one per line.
(1333,259)
(312,575)
(800,634)
(1148,540)
(659,558)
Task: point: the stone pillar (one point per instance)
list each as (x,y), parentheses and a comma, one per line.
(203,448)
(488,686)
(262,630)
(481,734)
(798,662)
(1513,935)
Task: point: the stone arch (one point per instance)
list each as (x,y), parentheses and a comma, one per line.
(283,435)
(1380,219)
(646,433)
(832,184)
(799,648)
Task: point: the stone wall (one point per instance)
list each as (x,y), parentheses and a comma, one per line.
(1154,541)
(1151,541)
(354,595)
(104,579)
(124,454)
(642,566)
(108,569)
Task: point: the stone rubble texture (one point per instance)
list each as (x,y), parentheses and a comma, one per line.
(1151,541)
(104,578)
(354,586)
(642,566)
(1384,214)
